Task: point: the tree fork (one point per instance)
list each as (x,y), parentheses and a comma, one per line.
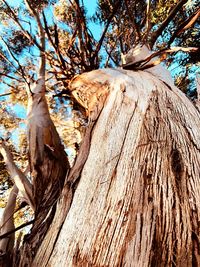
(138,188)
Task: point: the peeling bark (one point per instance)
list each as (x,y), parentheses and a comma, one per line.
(93,103)
(48,166)
(132,197)
(47,159)
(137,200)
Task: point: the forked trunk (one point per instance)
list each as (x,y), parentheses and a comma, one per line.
(137,202)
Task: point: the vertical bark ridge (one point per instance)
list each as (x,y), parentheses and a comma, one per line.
(137,201)
(92,100)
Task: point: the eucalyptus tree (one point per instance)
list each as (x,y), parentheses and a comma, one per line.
(130,198)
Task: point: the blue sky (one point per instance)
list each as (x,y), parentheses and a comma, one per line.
(91,7)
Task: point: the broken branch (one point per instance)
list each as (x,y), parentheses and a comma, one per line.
(141,64)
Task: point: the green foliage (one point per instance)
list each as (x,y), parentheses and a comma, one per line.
(18,42)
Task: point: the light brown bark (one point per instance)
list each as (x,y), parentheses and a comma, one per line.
(6,225)
(47,158)
(17,176)
(138,195)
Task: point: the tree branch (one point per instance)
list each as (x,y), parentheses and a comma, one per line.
(148,26)
(10,77)
(20,180)
(185,25)
(5,94)
(100,42)
(7,223)
(166,22)
(16,20)
(41,36)
(55,46)
(134,24)
(142,64)
(17,229)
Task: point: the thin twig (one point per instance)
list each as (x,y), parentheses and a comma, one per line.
(134,24)
(15,59)
(106,28)
(6,94)
(17,229)
(166,22)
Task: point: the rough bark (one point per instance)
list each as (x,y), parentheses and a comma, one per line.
(137,199)
(47,158)
(48,166)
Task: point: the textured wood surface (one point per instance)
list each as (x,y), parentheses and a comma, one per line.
(137,202)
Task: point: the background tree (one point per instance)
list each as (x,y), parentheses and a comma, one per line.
(65,47)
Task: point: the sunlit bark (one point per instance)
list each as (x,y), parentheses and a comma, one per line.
(47,158)
(6,225)
(137,200)
(17,176)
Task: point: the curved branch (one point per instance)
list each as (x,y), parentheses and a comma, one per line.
(18,177)
(142,64)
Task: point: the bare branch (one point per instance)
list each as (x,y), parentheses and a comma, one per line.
(185,25)
(84,37)
(54,44)
(106,28)
(148,25)
(142,64)
(6,94)
(20,180)
(10,77)
(166,22)
(109,57)
(8,84)
(7,223)
(17,229)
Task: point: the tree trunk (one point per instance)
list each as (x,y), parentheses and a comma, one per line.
(137,202)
